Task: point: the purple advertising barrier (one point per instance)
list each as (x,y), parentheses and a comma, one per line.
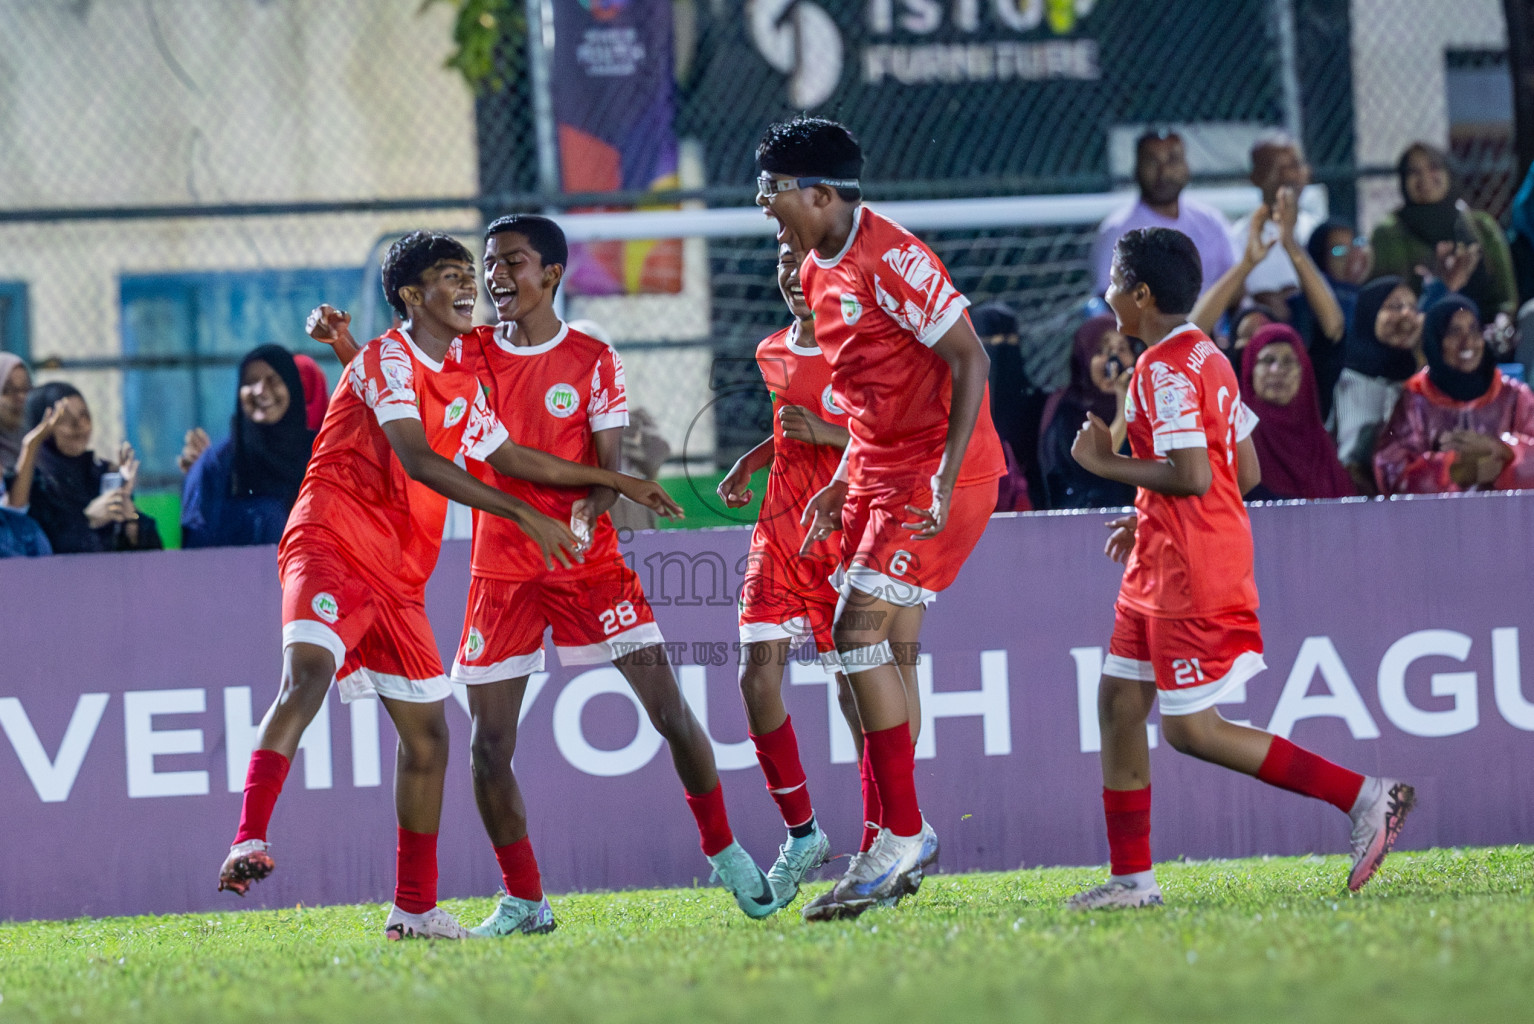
(1396,634)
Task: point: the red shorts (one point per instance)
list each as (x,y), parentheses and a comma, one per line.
(1193,662)
(784,596)
(886,560)
(598,615)
(381,641)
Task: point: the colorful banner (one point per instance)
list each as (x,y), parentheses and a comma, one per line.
(614,105)
(1397,634)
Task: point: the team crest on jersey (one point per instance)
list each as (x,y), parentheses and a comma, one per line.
(560,400)
(852,309)
(326,607)
(828,400)
(474,646)
(455,412)
(395,375)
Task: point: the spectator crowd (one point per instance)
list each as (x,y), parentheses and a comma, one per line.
(1392,365)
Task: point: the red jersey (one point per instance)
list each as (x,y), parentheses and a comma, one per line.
(1192,557)
(385,524)
(880,305)
(552,397)
(795,375)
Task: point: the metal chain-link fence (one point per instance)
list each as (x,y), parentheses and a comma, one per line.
(183,178)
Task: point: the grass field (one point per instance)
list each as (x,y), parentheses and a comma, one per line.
(1446,935)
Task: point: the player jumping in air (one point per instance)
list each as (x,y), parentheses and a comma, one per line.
(1185,627)
(360,544)
(787,597)
(918,482)
(561,392)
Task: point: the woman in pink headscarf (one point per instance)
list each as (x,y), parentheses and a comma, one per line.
(1297,455)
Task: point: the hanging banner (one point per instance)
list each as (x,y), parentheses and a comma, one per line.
(614,104)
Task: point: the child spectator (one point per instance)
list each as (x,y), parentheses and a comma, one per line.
(1100,356)
(82,503)
(1433,214)
(1379,355)
(1460,424)
(1297,455)
(15,385)
(240,490)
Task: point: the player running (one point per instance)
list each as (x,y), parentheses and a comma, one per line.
(561,392)
(787,598)
(360,544)
(1185,627)
(917,484)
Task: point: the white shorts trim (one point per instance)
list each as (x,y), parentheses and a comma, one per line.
(365,684)
(509,668)
(619,645)
(831,662)
(796,628)
(862,659)
(1127,668)
(307,631)
(1193,699)
(870,581)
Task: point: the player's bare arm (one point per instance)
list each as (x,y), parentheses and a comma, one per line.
(1248,468)
(735,489)
(970,367)
(333,327)
(1185,474)
(423,465)
(800,424)
(609,446)
(512,459)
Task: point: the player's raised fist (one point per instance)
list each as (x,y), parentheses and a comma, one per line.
(326,323)
(651,495)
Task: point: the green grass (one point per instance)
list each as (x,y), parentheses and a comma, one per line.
(1438,936)
(695,493)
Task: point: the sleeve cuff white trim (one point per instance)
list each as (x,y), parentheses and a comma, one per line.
(1181,439)
(1248,424)
(609,420)
(392,411)
(487,445)
(935,332)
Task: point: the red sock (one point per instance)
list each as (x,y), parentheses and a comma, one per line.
(519,870)
(873,812)
(893,756)
(1128,814)
(263,782)
(713,822)
(778,753)
(415,882)
(1299,771)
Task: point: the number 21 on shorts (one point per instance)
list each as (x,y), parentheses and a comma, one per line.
(1187,672)
(620,616)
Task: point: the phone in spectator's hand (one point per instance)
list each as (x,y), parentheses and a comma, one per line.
(111,482)
(1113,367)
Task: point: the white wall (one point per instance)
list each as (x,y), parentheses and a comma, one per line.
(121,102)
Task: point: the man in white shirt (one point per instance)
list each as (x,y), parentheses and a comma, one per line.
(1161,171)
(1276,163)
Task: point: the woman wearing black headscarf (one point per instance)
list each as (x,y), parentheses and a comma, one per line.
(1015,402)
(1380,353)
(1460,425)
(240,491)
(1433,213)
(82,503)
(1100,358)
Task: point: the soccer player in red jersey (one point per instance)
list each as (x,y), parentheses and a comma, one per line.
(562,392)
(360,544)
(918,482)
(1185,627)
(787,597)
